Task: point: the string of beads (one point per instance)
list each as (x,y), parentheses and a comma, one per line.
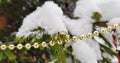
(52,43)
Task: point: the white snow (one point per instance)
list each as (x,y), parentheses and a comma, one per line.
(109,9)
(51,17)
(115,60)
(85,8)
(113,21)
(48,17)
(84,52)
(78,27)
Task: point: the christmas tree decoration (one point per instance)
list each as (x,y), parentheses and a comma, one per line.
(96,33)
(3,47)
(52,43)
(61,31)
(81,37)
(11,47)
(89,35)
(36,45)
(102,30)
(59,42)
(74,38)
(19,46)
(67,40)
(115,26)
(28,46)
(44,44)
(109,28)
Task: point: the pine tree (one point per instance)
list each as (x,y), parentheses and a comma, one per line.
(17,11)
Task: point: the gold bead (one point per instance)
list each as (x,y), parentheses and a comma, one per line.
(60,42)
(36,45)
(44,44)
(115,26)
(19,46)
(11,47)
(95,33)
(81,37)
(52,43)
(28,46)
(3,47)
(67,40)
(103,30)
(74,38)
(109,29)
(89,35)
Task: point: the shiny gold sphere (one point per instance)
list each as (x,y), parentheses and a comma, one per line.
(52,43)
(36,45)
(67,40)
(81,37)
(74,38)
(28,46)
(89,35)
(96,33)
(3,47)
(59,42)
(103,30)
(44,44)
(19,46)
(109,29)
(115,26)
(11,47)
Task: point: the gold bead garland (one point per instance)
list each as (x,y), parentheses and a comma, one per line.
(96,33)
(36,45)
(28,46)
(11,47)
(81,37)
(115,26)
(103,30)
(89,35)
(3,47)
(74,38)
(44,44)
(67,41)
(19,46)
(59,42)
(109,28)
(52,43)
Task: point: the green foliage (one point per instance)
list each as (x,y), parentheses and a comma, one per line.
(107,48)
(7,54)
(7,1)
(1,55)
(96,16)
(17,10)
(106,41)
(59,53)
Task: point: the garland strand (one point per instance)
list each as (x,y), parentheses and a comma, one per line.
(60,42)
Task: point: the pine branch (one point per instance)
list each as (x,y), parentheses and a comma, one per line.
(106,41)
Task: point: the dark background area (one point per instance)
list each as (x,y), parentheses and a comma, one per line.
(18,9)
